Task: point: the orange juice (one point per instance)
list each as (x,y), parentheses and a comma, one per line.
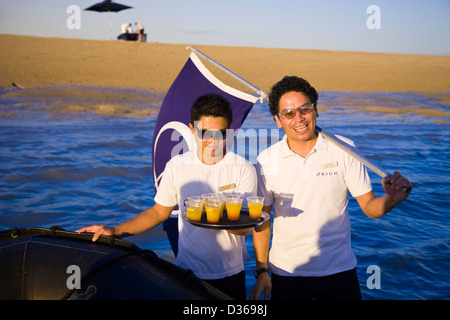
(215,197)
(255,205)
(195,214)
(212,214)
(233,210)
(255,210)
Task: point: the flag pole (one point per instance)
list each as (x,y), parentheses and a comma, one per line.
(263,95)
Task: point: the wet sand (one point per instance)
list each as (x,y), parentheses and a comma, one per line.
(51,63)
(63,102)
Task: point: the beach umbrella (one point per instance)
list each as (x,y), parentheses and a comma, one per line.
(108,6)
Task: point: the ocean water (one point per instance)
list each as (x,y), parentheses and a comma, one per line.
(74,171)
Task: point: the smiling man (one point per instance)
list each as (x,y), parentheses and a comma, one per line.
(306,181)
(216,256)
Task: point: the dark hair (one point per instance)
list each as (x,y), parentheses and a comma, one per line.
(287,84)
(212,105)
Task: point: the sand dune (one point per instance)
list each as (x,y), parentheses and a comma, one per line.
(37,62)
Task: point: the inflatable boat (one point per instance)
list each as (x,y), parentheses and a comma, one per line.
(54,264)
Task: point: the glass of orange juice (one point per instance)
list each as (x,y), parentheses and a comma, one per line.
(233,205)
(215,197)
(212,208)
(198,199)
(194,210)
(255,205)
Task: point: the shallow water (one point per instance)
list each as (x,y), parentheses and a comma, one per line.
(75,171)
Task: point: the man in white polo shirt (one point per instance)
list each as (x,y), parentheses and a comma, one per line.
(216,256)
(306,180)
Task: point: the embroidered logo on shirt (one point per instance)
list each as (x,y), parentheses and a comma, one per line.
(325,166)
(326,173)
(329,165)
(227,187)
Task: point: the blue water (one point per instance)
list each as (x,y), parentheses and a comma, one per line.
(98,169)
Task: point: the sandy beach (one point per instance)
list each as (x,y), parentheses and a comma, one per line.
(35,62)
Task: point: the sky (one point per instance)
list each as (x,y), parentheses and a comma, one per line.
(396,26)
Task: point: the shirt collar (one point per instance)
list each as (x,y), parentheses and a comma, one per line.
(321,144)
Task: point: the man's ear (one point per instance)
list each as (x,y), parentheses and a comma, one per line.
(191,127)
(277,120)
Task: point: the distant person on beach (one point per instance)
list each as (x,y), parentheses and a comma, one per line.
(216,256)
(306,180)
(139,30)
(129,28)
(126,28)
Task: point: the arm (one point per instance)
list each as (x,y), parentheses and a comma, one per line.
(240,232)
(261,241)
(144,221)
(375,207)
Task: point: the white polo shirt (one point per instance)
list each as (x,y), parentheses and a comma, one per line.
(210,254)
(311,226)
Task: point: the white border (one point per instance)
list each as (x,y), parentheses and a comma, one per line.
(208,75)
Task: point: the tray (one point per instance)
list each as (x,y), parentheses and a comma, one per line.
(244,221)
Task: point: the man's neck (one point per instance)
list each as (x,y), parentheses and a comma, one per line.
(211,160)
(302,148)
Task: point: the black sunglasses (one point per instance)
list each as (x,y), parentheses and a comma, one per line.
(208,134)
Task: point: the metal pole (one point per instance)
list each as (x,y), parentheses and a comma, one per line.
(110,24)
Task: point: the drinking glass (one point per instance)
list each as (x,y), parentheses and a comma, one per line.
(255,205)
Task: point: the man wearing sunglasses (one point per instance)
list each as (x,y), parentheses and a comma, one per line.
(307,180)
(216,256)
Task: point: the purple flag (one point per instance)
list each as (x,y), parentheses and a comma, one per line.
(172,135)
(193,81)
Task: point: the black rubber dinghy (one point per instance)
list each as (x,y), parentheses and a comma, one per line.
(54,264)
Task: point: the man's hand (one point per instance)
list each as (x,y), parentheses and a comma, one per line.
(263,283)
(395,187)
(98,231)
